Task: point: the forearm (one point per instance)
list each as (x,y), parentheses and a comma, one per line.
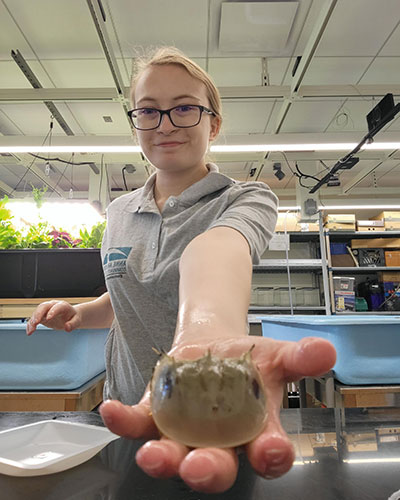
(96,313)
(214,288)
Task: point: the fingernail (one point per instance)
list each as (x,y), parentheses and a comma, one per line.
(274,463)
(153,455)
(107,420)
(202,462)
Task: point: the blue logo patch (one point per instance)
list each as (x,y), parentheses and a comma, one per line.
(114,263)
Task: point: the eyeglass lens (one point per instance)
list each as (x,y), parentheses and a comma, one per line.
(181,116)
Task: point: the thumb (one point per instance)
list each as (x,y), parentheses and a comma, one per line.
(134,422)
(72,324)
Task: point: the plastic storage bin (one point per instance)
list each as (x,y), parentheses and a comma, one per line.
(49,359)
(368,346)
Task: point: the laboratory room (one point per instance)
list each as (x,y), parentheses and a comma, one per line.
(200,249)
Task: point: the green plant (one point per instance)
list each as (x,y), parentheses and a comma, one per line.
(38,194)
(93,238)
(9,236)
(41,235)
(37,236)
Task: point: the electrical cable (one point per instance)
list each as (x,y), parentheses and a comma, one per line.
(28,168)
(124,178)
(61,176)
(287,162)
(288,265)
(60,159)
(101,174)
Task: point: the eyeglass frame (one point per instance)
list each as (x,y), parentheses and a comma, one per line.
(202,109)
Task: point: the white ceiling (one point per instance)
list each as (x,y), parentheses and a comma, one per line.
(244,45)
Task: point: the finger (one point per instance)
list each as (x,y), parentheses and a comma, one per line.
(309,357)
(162,458)
(133,422)
(271,454)
(73,323)
(37,317)
(60,308)
(209,470)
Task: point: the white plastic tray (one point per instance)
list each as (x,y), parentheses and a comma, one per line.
(49,446)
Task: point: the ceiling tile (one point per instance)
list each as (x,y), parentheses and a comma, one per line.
(11,77)
(384,70)
(245,117)
(392,46)
(79,73)
(307,116)
(228,72)
(32,119)
(90,117)
(335,70)
(358,27)
(351,117)
(256,26)
(182,23)
(11,37)
(57,29)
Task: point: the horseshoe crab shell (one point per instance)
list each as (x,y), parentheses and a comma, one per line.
(209,401)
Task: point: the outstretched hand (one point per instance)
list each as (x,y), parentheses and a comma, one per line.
(56,314)
(214,470)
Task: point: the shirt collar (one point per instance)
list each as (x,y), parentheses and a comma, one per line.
(214,181)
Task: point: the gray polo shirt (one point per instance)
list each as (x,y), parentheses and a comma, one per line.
(141,251)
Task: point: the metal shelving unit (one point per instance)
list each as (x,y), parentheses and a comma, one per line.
(388,313)
(299,265)
(285,308)
(293,264)
(344,236)
(363,270)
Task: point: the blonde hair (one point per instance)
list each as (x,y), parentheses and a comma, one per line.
(171,55)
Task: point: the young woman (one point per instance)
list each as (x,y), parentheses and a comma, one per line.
(178,257)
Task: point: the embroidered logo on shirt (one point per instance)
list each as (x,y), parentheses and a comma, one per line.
(114,263)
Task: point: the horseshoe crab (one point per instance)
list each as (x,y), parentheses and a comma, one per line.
(209,401)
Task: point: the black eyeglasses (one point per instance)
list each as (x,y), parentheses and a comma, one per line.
(183,116)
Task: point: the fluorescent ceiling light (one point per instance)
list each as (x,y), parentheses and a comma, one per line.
(239,148)
(288,209)
(256,148)
(359,207)
(371,460)
(70,149)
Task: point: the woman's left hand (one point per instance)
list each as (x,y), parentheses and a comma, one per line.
(214,470)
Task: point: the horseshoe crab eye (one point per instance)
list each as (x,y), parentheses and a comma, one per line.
(256,388)
(167,384)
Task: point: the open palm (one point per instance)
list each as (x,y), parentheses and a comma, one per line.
(214,470)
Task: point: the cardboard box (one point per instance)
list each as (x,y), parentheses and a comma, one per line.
(392,226)
(392,258)
(389,276)
(345,301)
(340,222)
(286,221)
(307,226)
(342,261)
(374,223)
(376,243)
(370,225)
(391,220)
(388,216)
